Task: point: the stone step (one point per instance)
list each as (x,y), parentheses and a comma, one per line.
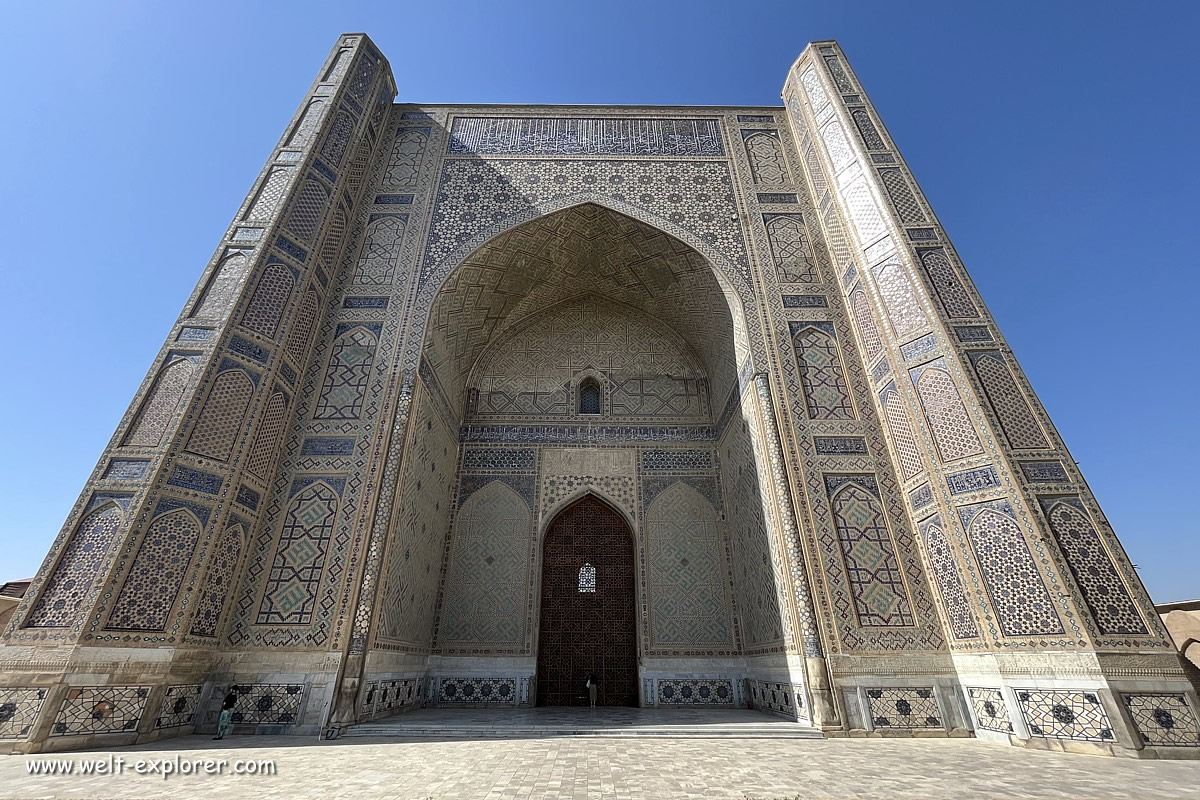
(401,730)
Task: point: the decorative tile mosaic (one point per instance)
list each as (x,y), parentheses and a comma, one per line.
(821,374)
(300,556)
(269,300)
(268,703)
(840,445)
(1019,595)
(972,480)
(477,690)
(991,712)
(779,698)
(1065,714)
(577,136)
(791,249)
(345,388)
(19,709)
(221,418)
(903,708)
(218,581)
(694,691)
(951,426)
(192,478)
(1163,720)
(179,705)
(949,579)
(148,594)
(947,284)
(676,460)
(261,457)
(64,593)
(158,410)
(1044,471)
(100,709)
(1016,417)
(1095,574)
(126,469)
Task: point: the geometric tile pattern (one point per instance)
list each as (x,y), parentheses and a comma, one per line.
(1022,602)
(159,408)
(269,197)
(947,284)
(906,204)
(218,582)
(876,579)
(178,706)
(217,429)
(902,436)
(270,298)
(268,703)
(1065,714)
(766,157)
(345,386)
(331,246)
(414,557)
(789,245)
(157,573)
(266,442)
(821,375)
(19,711)
(949,423)
(780,698)
(64,592)
(1020,428)
(100,709)
(309,124)
(1163,720)
(676,460)
(338,137)
(991,712)
(376,265)
(307,210)
(575,136)
(647,369)
(866,324)
(300,330)
(687,581)
(695,691)
(221,292)
(898,297)
(299,561)
(477,690)
(1102,589)
(406,156)
(903,708)
(949,580)
(488,572)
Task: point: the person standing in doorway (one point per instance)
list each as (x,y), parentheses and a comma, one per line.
(226,712)
(591,687)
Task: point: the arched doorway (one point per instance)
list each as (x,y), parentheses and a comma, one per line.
(588,621)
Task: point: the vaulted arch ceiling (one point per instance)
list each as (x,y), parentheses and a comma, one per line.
(579,251)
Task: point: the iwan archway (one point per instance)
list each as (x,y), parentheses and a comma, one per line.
(581,353)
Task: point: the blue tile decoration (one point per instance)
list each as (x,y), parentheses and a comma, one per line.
(1163,719)
(676,460)
(1065,714)
(268,703)
(991,712)
(694,692)
(19,709)
(903,708)
(805,301)
(840,445)
(126,469)
(919,348)
(784,699)
(179,705)
(393,199)
(292,249)
(777,198)
(973,333)
(594,137)
(365,302)
(92,710)
(949,579)
(922,234)
(499,459)
(972,480)
(471,691)
(587,434)
(920,497)
(1044,471)
(192,478)
(194,334)
(299,561)
(250,350)
(755,118)
(148,595)
(410,116)
(328,446)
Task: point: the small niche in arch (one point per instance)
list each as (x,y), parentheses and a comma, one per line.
(589,396)
(587,579)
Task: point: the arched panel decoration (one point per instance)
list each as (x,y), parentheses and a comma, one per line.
(67,588)
(588,616)
(218,582)
(154,580)
(589,396)
(221,420)
(161,405)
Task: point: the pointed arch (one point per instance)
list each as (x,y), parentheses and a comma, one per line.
(766,159)
(266,443)
(270,298)
(308,125)
(221,293)
(163,557)
(161,404)
(221,418)
(300,333)
(218,581)
(487,575)
(951,427)
(1019,596)
(872,343)
(66,591)
(589,397)
(826,394)
(345,387)
(299,563)
(271,194)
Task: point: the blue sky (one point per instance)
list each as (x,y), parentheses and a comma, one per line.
(1055,140)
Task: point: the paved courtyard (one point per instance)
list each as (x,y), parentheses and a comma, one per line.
(643,767)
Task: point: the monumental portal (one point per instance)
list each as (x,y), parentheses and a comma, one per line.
(473,402)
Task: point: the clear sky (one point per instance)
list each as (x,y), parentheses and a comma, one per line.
(1057,142)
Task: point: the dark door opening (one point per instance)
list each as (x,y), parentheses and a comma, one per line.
(588,620)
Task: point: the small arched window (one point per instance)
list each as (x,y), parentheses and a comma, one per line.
(589,396)
(587,578)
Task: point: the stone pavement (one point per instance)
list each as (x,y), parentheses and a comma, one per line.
(579,768)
